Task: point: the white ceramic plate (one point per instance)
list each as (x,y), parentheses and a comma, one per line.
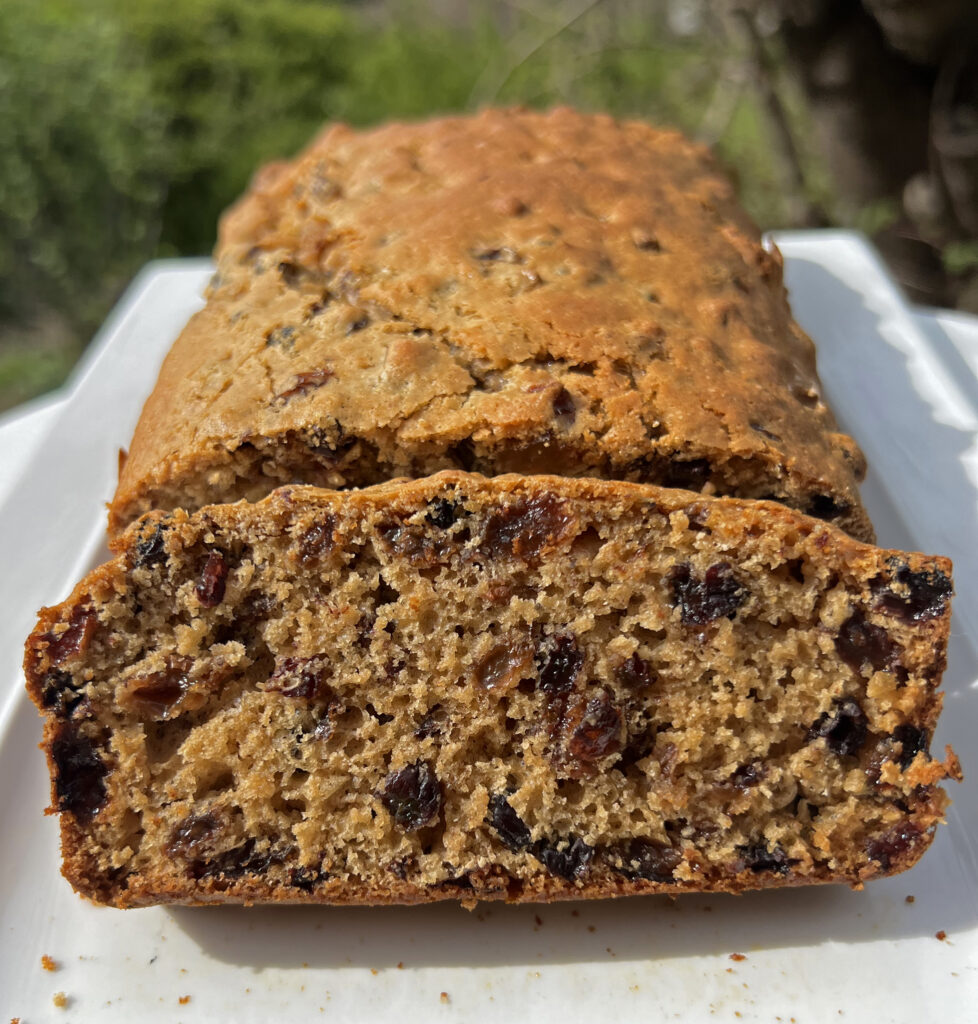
(810,955)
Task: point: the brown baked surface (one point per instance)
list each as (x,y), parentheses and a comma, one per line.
(510,292)
(520,688)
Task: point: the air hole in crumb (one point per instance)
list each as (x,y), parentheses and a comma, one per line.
(586,545)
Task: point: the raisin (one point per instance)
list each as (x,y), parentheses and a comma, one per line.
(758,858)
(308,380)
(599,731)
(505,665)
(433,723)
(213,579)
(443,513)
(564,406)
(233,863)
(893,845)
(912,741)
(58,692)
(155,694)
(690,474)
(317,540)
(80,782)
(748,775)
(509,826)
(567,858)
(634,673)
(413,543)
(645,858)
(150,550)
(301,678)
(559,662)
(860,641)
(701,601)
(524,528)
(922,595)
(306,879)
(824,506)
(413,796)
(75,638)
(194,835)
(844,729)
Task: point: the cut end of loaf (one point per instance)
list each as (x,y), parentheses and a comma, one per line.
(510,688)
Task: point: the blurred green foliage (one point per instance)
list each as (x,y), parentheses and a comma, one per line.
(128,127)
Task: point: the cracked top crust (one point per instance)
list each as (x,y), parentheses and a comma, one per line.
(510,292)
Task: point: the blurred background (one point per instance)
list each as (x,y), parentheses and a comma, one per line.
(126,127)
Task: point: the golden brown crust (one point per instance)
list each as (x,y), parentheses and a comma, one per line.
(511,292)
(893,604)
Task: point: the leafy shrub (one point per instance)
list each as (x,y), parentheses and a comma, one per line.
(128,127)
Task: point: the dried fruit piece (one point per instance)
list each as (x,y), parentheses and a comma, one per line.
(913,596)
(599,731)
(156,693)
(700,601)
(74,640)
(213,580)
(912,741)
(860,642)
(58,692)
(414,542)
(317,540)
(524,528)
(844,729)
(443,513)
(433,723)
(634,673)
(567,858)
(150,550)
(306,878)
(194,835)
(894,845)
(559,661)
(301,678)
(645,858)
(308,380)
(748,775)
(413,796)
(245,859)
(509,826)
(505,665)
(758,858)
(80,779)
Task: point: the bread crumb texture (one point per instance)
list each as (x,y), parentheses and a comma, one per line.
(516,688)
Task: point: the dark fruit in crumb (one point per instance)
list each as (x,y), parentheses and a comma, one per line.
(413,796)
(80,781)
(700,601)
(509,826)
(844,728)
